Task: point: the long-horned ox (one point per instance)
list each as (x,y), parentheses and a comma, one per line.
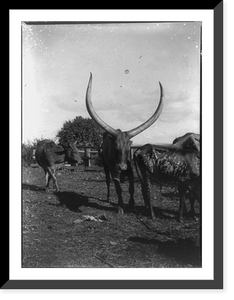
(116,148)
(168,164)
(51,157)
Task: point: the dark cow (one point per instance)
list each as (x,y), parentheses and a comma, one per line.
(116,148)
(51,157)
(168,165)
(189,141)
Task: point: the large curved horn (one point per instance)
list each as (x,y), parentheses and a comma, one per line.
(152,119)
(92,112)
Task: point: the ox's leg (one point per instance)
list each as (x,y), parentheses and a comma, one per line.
(108,186)
(107,173)
(182,191)
(47,179)
(48,182)
(160,188)
(51,172)
(193,196)
(131,185)
(192,211)
(119,194)
(146,188)
(146,191)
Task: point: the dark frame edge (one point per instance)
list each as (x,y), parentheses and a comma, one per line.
(217,283)
(218,145)
(111,284)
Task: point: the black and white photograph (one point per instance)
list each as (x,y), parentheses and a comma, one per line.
(111,142)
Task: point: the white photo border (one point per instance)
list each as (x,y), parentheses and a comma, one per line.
(207,270)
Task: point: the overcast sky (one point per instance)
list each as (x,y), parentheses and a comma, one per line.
(127,61)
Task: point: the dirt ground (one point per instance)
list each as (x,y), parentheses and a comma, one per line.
(78,228)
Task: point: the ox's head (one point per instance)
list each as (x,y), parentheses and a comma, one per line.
(121,145)
(188,141)
(72,153)
(122,140)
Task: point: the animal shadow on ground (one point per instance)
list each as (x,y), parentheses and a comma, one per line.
(158,212)
(92,170)
(182,250)
(165,213)
(95,180)
(170,194)
(73,201)
(32,187)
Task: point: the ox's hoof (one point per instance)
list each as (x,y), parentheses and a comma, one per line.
(132,209)
(120,211)
(180,220)
(132,204)
(191,214)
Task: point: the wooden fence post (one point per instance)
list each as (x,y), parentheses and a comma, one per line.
(87,157)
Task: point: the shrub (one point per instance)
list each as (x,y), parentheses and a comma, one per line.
(27,152)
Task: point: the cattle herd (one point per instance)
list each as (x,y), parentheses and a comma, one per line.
(177,163)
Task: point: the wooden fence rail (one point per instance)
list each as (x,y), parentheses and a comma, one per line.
(91,156)
(88,153)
